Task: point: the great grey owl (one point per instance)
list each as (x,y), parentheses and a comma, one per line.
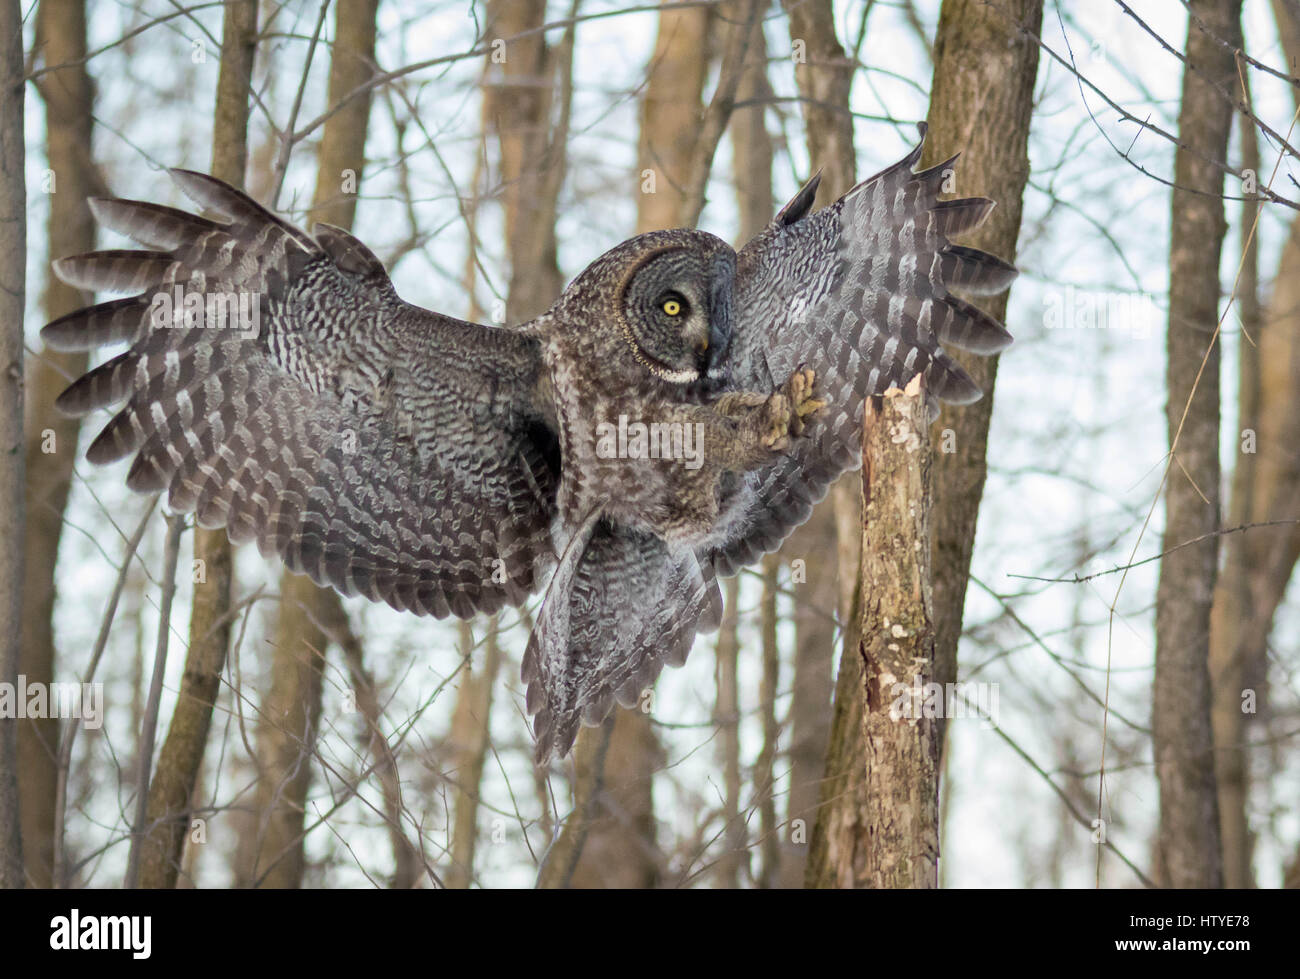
(671,418)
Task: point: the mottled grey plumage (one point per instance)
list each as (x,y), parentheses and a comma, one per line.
(446,467)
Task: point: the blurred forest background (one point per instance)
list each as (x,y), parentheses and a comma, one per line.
(1140,647)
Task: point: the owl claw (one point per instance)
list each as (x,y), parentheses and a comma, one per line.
(802,395)
(775,434)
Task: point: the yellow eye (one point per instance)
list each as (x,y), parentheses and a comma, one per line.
(672,307)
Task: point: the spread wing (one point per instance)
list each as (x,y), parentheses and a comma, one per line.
(860,292)
(274,384)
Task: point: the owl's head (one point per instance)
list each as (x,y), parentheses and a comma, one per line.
(669,294)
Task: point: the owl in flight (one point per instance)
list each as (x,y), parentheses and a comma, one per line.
(674,416)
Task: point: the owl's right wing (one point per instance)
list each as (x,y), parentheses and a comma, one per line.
(860,292)
(378,447)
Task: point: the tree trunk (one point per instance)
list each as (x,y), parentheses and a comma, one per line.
(752,153)
(981,101)
(670,115)
(13,261)
(1189,845)
(896,647)
(342,156)
(407,857)
(51,436)
(272,856)
(1232,598)
(517,107)
(468,742)
(1257,564)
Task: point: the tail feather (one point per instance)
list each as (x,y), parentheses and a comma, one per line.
(617,612)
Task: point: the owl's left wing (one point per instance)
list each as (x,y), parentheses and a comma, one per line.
(274,384)
(860,291)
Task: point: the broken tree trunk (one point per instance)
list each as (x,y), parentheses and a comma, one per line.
(889,837)
(897,644)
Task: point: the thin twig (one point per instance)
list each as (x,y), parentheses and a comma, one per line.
(171,548)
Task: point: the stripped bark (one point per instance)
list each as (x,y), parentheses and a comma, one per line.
(897,645)
(880,824)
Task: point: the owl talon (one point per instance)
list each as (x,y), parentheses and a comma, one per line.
(801,391)
(775,434)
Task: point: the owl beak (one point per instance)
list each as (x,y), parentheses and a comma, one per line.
(702,357)
(714,351)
